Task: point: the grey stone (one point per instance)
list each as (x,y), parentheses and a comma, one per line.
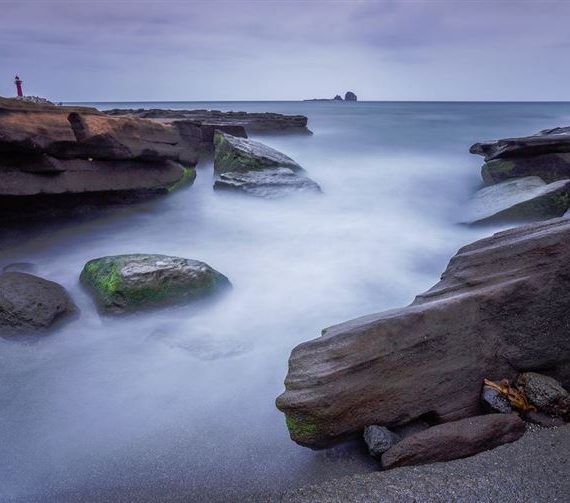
(546,393)
(454,440)
(128,282)
(493,401)
(29,303)
(379,439)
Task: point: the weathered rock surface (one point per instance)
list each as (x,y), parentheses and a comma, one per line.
(521,199)
(29,303)
(546,393)
(493,401)
(379,439)
(454,440)
(350,96)
(500,308)
(546,155)
(543,419)
(57,151)
(128,282)
(255,168)
(251,122)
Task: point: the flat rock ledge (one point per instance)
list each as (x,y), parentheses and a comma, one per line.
(546,154)
(29,304)
(500,309)
(256,169)
(129,282)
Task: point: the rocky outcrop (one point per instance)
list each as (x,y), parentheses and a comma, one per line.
(500,308)
(455,440)
(254,168)
(546,155)
(59,151)
(29,303)
(520,199)
(128,282)
(252,122)
(350,96)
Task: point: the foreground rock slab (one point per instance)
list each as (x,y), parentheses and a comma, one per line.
(454,440)
(252,167)
(500,308)
(29,303)
(129,282)
(521,199)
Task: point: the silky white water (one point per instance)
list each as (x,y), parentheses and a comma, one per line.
(179,402)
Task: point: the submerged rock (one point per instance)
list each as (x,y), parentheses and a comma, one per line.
(501,306)
(128,282)
(379,439)
(454,440)
(520,199)
(29,303)
(255,168)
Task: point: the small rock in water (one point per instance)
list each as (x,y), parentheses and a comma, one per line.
(379,439)
(29,303)
(20,267)
(457,439)
(127,282)
(493,401)
(546,393)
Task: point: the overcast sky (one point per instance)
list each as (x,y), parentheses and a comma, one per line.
(79,50)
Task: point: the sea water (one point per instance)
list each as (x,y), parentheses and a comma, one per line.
(179,402)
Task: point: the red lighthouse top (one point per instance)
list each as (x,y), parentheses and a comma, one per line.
(18,83)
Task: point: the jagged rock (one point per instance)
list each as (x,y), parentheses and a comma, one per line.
(64,152)
(379,439)
(128,282)
(350,96)
(29,303)
(454,440)
(501,306)
(546,155)
(255,168)
(252,122)
(338,97)
(520,199)
(493,401)
(546,393)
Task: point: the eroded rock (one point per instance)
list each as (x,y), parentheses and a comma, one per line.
(129,282)
(501,307)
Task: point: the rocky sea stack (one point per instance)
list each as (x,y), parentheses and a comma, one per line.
(129,282)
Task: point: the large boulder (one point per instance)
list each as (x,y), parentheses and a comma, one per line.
(501,307)
(454,440)
(520,199)
(129,282)
(546,155)
(254,168)
(350,96)
(29,303)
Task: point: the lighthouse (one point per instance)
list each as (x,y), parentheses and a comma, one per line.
(18,83)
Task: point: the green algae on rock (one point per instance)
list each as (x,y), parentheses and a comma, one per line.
(129,282)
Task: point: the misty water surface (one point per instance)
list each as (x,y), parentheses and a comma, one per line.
(180,401)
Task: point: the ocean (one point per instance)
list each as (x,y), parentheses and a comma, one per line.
(179,402)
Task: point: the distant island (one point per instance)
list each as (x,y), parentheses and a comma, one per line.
(349,96)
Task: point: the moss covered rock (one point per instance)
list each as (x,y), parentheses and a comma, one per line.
(129,282)
(254,168)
